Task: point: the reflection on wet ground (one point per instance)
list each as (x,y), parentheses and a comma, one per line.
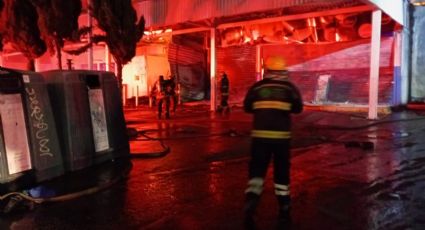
(347,173)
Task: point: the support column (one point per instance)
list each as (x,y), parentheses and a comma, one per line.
(107,58)
(397,85)
(37,64)
(406,56)
(213,98)
(90,25)
(374,64)
(258,64)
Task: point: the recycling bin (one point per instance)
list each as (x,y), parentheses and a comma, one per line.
(29,145)
(117,129)
(92,121)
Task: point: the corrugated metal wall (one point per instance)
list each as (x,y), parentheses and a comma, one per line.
(348,86)
(418,56)
(184,55)
(189,66)
(171,12)
(346,62)
(239,64)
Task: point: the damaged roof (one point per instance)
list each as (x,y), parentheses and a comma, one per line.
(184,14)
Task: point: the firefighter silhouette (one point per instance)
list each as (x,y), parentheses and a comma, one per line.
(166,92)
(224,95)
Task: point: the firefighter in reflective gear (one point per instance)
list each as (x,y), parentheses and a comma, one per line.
(164,95)
(224,94)
(271,101)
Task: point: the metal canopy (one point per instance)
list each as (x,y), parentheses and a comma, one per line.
(393,8)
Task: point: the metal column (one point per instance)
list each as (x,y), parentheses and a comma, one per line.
(213,99)
(374,64)
(37,64)
(406,55)
(107,59)
(397,79)
(258,64)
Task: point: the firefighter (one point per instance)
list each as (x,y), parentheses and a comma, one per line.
(153,94)
(271,101)
(173,92)
(224,94)
(162,97)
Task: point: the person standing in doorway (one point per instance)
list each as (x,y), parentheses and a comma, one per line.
(224,95)
(271,101)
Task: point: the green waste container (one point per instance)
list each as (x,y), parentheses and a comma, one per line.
(29,145)
(117,130)
(89,109)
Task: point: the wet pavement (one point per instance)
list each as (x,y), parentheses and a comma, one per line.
(347,173)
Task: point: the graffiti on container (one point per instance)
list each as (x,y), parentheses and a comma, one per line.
(39,123)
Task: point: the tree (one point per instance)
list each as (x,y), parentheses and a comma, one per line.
(19,27)
(58,22)
(118,19)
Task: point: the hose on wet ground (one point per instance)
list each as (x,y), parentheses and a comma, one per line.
(20,199)
(144,133)
(134,134)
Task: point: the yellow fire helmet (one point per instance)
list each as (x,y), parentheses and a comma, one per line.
(275,63)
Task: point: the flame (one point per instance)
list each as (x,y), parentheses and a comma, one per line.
(337,37)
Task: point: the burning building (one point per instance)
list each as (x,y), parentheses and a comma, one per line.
(350,54)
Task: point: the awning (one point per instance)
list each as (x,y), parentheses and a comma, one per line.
(393,8)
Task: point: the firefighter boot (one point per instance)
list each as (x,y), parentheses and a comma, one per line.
(250,207)
(284,216)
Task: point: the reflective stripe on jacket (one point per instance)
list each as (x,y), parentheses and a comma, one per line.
(271,101)
(270,134)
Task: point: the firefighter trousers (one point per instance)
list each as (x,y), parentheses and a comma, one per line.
(165,99)
(261,154)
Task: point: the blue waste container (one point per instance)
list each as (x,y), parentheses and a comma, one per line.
(29,145)
(89,109)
